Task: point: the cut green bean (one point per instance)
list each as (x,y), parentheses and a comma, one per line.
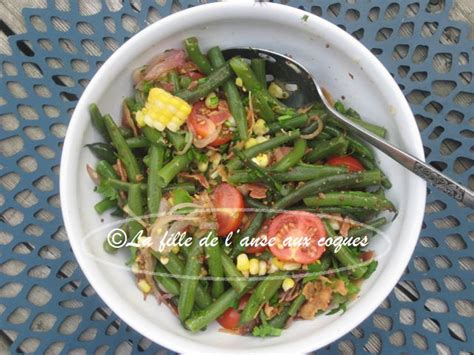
(173,168)
(202,318)
(234,276)
(105,170)
(214,264)
(232,94)
(98,121)
(311,188)
(335,146)
(135,204)
(154,193)
(369,228)
(167,282)
(292,158)
(174,79)
(258,67)
(272,143)
(216,79)
(103,151)
(124,152)
(176,139)
(291,123)
(104,205)
(250,232)
(153,135)
(350,199)
(345,255)
(190,282)
(262,293)
(137,142)
(194,53)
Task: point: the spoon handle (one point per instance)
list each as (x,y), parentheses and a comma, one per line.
(423,170)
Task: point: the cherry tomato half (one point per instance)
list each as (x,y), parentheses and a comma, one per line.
(289,228)
(260,248)
(203,122)
(230,199)
(351,163)
(231,317)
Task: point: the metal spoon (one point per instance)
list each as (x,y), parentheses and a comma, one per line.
(287,70)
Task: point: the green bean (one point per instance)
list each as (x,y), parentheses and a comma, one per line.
(125,186)
(173,168)
(200,319)
(292,158)
(136,207)
(370,165)
(194,53)
(262,107)
(216,79)
(167,282)
(153,135)
(358,147)
(191,273)
(335,146)
(280,319)
(105,170)
(243,71)
(174,79)
(291,123)
(296,304)
(156,154)
(358,213)
(329,183)
(214,264)
(298,173)
(368,228)
(137,142)
(345,255)
(258,67)
(250,232)
(125,132)
(175,266)
(350,199)
(262,293)
(176,139)
(235,277)
(124,152)
(378,130)
(103,151)
(98,121)
(274,142)
(104,205)
(232,94)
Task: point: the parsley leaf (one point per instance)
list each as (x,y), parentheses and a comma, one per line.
(107,191)
(266,331)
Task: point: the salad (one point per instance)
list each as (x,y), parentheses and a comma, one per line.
(254,194)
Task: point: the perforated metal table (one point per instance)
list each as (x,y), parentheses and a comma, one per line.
(48,55)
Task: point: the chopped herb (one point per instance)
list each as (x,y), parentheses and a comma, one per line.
(266,331)
(305,18)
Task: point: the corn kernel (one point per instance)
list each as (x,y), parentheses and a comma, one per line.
(144,286)
(261,139)
(260,127)
(262,268)
(135,268)
(273,268)
(175,249)
(288,284)
(278,263)
(245,273)
(249,143)
(253,267)
(164,260)
(291,266)
(277,91)
(243,263)
(239,82)
(261,160)
(334,224)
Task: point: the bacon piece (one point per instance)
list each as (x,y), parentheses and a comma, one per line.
(318,294)
(127,120)
(367,255)
(197,177)
(256,191)
(279,153)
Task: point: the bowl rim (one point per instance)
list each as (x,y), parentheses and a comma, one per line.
(69,168)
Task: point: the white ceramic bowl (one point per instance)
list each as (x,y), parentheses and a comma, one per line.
(330,54)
